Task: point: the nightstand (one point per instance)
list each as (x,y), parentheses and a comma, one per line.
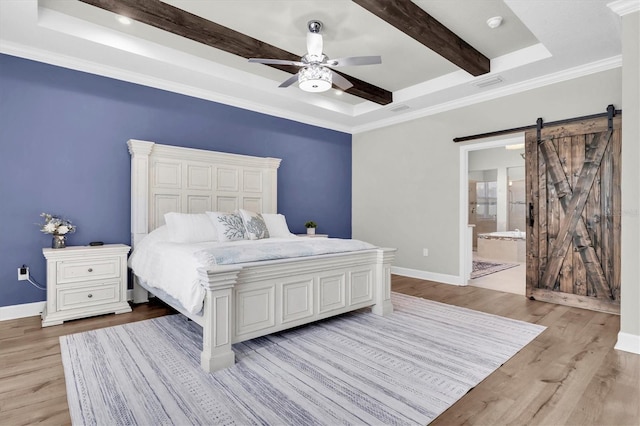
(83,281)
(313,235)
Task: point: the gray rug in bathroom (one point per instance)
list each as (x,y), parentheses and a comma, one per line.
(482,268)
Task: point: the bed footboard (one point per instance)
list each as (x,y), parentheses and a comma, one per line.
(245,302)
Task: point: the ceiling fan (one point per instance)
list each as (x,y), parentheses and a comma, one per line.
(316,74)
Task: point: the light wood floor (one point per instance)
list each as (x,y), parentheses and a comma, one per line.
(569,375)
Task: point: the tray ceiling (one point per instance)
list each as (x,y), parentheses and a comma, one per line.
(162,48)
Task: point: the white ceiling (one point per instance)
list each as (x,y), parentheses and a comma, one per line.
(539,42)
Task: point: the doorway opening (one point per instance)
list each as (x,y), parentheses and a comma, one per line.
(493,215)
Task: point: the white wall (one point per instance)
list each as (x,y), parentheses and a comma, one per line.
(406,177)
(629,338)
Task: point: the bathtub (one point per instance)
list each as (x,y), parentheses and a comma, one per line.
(504,245)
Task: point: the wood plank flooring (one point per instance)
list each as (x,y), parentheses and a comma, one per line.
(32,387)
(569,375)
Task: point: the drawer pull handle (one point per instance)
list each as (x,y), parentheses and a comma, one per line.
(90,295)
(90,269)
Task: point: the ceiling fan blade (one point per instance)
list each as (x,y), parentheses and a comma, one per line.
(276,62)
(314,44)
(340,81)
(354,60)
(288,82)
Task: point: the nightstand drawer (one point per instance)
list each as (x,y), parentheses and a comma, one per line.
(70,271)
(80,297)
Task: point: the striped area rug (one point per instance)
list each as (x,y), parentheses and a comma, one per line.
(359,368)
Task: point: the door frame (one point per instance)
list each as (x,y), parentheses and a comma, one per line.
(464,243)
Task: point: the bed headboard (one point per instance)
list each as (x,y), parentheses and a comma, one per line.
(175,179)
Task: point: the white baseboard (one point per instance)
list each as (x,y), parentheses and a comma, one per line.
(426,275)
(31,309)
(628,343)
(21,311)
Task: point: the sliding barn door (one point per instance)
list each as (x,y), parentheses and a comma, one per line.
(573,218)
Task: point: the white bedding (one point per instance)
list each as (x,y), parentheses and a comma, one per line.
(172,266)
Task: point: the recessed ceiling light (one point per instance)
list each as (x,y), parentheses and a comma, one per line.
(516,146)
(494,22)
(339,92)
(124,20)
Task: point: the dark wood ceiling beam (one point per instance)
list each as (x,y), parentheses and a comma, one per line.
(419,25)
(196,28)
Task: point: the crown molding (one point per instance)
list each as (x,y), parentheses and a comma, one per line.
(519,58)
(535,83)
(624,7)
(64,61)
(90,67)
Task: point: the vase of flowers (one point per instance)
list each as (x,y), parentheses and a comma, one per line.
(58,227)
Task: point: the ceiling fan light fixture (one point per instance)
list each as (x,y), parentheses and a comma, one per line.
(316,74)
(315,78)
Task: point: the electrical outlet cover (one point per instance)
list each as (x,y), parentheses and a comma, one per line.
(25,276)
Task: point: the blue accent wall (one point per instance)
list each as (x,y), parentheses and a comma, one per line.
(63,151)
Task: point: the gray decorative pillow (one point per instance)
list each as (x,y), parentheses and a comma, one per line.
(254,224)
(229,226)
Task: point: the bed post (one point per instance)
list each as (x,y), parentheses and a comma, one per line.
(140,151)
(384,257)
(217,331)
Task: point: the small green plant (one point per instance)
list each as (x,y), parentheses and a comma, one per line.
(310,224)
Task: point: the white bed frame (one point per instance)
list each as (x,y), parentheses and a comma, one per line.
(250,300)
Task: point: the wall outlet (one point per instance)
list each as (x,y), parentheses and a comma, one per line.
(23,273)
(425,252)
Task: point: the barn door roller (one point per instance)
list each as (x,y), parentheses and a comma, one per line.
(539,129)
(611,112)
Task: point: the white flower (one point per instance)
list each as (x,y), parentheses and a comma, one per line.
(56,225)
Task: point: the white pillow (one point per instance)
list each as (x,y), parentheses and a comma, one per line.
(254,225)
(229,226)
(190,227)
(277,225)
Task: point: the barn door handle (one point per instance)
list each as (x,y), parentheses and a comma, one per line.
(531,220)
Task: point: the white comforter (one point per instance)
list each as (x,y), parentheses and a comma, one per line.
(172,267)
